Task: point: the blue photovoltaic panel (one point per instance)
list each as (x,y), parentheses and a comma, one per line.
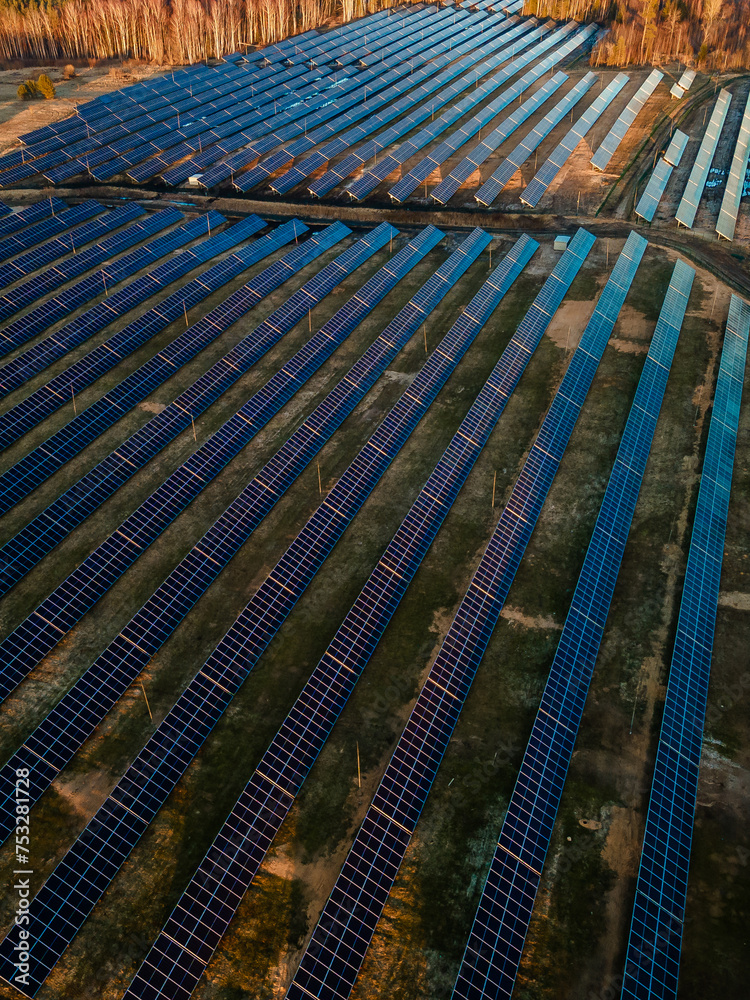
(450,184)
(4,209)
(730,204)
(691,197)
(11,301)
(369,181)
(676,148)
(200,917)
(652,195)
(25,216)
(420,172)
(85,427)
(456,60)
(653,957)
(48,228)
(47,529)
(339,943)
(203,701)
(491,188)
(559,156)
(619,130)
(495,946)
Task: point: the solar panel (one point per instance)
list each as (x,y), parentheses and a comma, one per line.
(491,188)
(652,195)
(619,130)
(36,358)
(47,529)
(420,172)
(200,918)
(86,426)
(730,204)
(202,701)
(9,223)
(450,45)
(560,155)
(450,184)
(456,61)
(366,184)
(46,229)
(676,148)
(97,573)
(41,284)
(691,197)
(683,84)
(653,956)
(4,209)
(495,947)
(339,943)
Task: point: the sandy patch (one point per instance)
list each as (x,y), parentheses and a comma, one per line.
(516,615)
(736,600)
(569,322)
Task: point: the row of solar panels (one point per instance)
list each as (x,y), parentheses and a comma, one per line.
(202,578)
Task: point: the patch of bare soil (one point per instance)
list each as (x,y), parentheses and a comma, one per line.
(738,601)
(516,615)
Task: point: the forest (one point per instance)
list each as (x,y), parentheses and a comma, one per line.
(708,34)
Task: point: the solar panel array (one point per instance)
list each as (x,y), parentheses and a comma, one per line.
(100,282)
(74,717)
(378,172)
(39,535)
(563,46)
(82,876)
(619,130)
(730,204)
(245,182)
(12,221)
(208,904)
(334,954)
(559,156)
(683,84)
(456,62)
(495,947)
(38,464)
(46,229)
(450,184)
(657,185)
(653,956)
(11,301)
(691,196)
(492,187)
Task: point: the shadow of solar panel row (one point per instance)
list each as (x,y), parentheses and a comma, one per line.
(177,739)
(41,284)
(333,957)
(657,185)
(560,155)
(563,47)
(184,948)
(693,192)
(494,34)
(495,946)
(97,573)
(40,355)
(730,204)
(107,410)
(451,53)
(52,943)
(369,181)
(492,187)
(68,243)
(320,107)
(653,956)
(45,229)
(450,184)
(346,108)
(10,223)
(619,130)
(47,529)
